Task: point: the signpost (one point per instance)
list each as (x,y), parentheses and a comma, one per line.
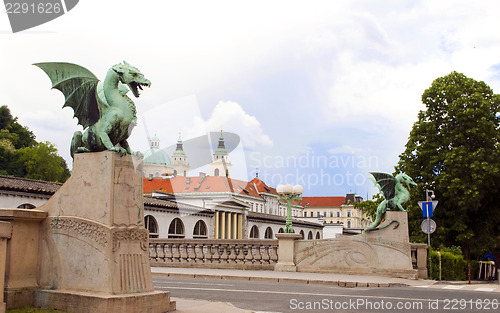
(428,226)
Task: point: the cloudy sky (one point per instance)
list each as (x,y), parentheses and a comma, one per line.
(320,92)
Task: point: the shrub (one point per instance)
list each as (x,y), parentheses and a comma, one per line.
(453,265)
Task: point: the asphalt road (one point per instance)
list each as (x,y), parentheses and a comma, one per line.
(296,297)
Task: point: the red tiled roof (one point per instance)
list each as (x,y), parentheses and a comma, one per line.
(198,184)
(323,202)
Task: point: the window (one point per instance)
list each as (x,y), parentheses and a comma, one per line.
(26,206)
(348,214)
(348,224)
(269,233)
(310,235)
(216,172)
(151,225)
(312,214)
(254,232)
(324,214)
(175,173)
(200,230)
(319,214)
(331,214)
(302,234)
(176,229)
(338,214)
(281,231)
(318,236)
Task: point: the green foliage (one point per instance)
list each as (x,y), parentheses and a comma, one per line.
(22,156)
(453,266)
(369,207)
(452,149)
(32,310)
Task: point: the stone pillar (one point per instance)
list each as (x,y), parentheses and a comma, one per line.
(94,250)
(22,265)
(286,252)
(216,230)
(5,233)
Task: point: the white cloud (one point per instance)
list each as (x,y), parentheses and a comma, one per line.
(230,116)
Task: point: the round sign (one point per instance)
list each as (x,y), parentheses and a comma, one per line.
(428,226)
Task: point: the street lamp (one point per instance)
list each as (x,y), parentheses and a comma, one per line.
(289,193)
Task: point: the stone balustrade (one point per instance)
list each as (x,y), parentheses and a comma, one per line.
(419,258)
(236,254)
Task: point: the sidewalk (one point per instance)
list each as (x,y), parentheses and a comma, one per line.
(341,280)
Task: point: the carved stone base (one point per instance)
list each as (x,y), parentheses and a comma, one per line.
(80,302)
(382,252)
(94,246)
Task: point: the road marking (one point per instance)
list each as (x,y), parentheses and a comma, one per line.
(484,289)
(290,292)
(423,286)
(453,287)
(185,283)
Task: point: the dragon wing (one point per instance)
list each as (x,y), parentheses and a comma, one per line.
(386,183)
(79,88)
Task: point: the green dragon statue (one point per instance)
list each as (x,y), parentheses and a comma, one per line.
(104,110)
(395,193)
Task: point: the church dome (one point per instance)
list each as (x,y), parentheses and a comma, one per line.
(155,156)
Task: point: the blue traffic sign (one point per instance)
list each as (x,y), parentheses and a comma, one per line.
(427,209)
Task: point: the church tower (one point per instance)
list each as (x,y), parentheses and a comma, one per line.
(220,165)
(181,166)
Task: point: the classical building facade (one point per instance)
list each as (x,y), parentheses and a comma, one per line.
(336,210)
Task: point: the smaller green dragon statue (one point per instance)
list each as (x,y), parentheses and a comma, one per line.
(104,110)
(395,193)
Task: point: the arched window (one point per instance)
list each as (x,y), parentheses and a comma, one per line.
(175,173)
(216,172)
(318,236)
(254,232)
(26,206)
(302,233)
(269,233)
(281,231)
(151,225)
(176,229)
(157,174)
(310,235)
(348,224)
(227,173)
(200,230)
(185,173)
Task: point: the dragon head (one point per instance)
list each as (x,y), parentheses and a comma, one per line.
(132,77)
(405,179)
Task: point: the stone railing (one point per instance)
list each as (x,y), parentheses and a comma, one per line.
(237,254)
(419,258)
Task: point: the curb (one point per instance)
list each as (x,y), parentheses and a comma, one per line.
(345,284)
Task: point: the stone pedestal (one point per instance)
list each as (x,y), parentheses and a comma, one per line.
(5,233)
(286,256)
(94,247)
(21,269)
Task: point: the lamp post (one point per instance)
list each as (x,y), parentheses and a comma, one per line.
(289,193)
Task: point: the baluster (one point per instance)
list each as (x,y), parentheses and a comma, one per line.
(231,251)
(216,256)
(183,253)
(191,256)
(152,247)
(248,253)
(274,253)
(159,252)
(175,253)
(239,253)
(205,253)
(257,256)
(264,249)
(223,254)
(167,250)
(196,253)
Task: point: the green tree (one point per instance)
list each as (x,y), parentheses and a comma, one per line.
(42,162)
(453,149)
(369,207)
